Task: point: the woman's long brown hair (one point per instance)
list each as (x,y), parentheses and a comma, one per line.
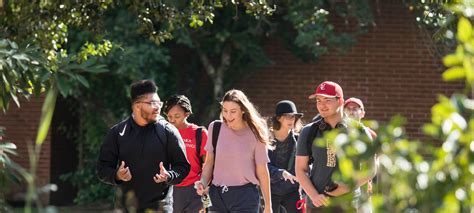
(255,122)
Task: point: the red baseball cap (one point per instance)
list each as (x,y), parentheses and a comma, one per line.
(354,100)
(328,89)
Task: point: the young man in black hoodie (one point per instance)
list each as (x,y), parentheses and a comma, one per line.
(143,155)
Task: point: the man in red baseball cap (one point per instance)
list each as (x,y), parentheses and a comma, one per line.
(329,101)
(319,185)
(354,108)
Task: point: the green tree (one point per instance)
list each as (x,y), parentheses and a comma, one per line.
(60,43)
(233,41)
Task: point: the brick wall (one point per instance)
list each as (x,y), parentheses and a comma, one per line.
(21,126)
(393,68)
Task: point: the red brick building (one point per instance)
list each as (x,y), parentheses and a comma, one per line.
(393,68)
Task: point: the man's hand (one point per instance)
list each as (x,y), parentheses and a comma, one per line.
(289,177)
(340,190)
(320,200)
(163,176)
(123,173)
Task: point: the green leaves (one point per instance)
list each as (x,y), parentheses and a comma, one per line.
(19,68)
(47,112)
(461,62)
(195,21)
(464,30)
(71,73)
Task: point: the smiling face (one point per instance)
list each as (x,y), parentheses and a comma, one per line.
(177,116)
(232,114)
(328,106)
(148,107)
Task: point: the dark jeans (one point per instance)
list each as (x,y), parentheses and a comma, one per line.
(185,199)
(229,199)
(288,202)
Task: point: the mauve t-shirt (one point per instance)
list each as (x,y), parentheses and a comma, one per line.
(237,154)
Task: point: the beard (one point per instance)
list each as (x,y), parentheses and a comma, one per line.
(149,117)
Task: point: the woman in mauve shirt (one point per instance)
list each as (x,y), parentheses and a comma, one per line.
(239,164)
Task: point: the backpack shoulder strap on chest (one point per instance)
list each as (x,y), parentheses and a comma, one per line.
(215,134)
(198,143)
(310,139)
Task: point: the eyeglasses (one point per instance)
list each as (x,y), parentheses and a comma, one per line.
(353,109)
(152,103)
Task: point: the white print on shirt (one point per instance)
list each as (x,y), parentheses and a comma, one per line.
(189,143)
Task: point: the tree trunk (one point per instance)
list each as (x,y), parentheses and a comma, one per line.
(217,76)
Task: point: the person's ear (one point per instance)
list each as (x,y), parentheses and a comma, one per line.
(135,106)
(341,101)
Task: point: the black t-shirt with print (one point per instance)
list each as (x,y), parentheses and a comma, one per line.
(320,174)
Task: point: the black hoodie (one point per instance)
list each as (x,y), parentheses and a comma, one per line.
(142,151)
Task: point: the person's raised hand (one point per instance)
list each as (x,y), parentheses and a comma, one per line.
(123,173)
(163,176)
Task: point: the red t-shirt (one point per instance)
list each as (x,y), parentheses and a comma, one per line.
(189,137)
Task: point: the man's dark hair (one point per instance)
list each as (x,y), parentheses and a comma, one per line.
(179,100)
(142,87)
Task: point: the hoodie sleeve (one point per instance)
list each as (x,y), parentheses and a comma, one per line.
(275,172)
(108,158)
(177,156)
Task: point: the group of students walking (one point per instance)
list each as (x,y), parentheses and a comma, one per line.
(232,165)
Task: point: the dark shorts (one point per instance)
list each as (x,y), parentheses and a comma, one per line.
(287,202)
(245,199)
(185,199)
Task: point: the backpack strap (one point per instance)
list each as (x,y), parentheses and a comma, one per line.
(310,139)
(215,135)
(198,143)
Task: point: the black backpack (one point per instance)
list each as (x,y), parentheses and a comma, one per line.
(313,130)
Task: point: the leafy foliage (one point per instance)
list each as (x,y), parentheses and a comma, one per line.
(22,72)
(79,42)
(418,176)
(10,172)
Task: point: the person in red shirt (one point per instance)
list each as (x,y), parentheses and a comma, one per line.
(178,109)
